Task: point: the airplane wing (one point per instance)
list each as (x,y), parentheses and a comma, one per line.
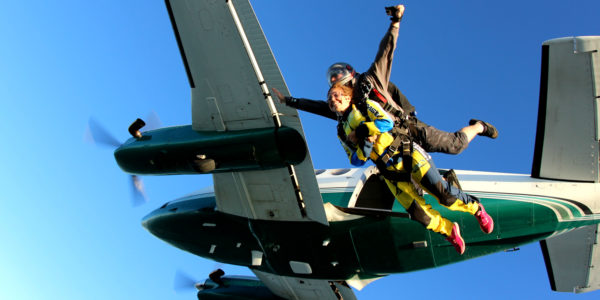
(231,70)
(302,288)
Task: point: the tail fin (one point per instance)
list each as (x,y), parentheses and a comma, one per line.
(566,146)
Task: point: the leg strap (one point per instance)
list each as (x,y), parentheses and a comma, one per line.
(404,143)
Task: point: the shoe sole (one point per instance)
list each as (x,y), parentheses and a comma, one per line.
(494,132)
(491,228)
(461,239)
(492,220)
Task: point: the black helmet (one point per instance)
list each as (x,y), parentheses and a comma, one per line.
(340,72)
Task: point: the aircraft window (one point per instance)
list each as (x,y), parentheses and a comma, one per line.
(340,171)
(319,171)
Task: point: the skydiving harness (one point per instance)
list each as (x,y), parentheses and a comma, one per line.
(403,126)
(403,142)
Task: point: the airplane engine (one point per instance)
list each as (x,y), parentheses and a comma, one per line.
(233,287)
(182,150)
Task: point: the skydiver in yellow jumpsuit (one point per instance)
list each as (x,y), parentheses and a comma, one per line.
(365,133)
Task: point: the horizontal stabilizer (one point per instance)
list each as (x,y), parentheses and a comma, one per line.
(570,259)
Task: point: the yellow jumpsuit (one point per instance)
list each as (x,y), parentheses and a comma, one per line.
(378,123)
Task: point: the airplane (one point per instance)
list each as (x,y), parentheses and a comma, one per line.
(308,234)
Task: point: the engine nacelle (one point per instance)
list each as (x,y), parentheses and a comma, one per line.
(181,150)
(235,287)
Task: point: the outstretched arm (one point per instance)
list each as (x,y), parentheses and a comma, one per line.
(379,72)
(318,107)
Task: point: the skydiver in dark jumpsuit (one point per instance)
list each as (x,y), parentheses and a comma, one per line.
(429,137)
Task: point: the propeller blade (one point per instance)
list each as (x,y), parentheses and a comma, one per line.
(96,134)
(99,135)
(183,282)
(139,194)
(152,122)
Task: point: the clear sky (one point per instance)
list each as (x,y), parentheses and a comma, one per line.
(67,229)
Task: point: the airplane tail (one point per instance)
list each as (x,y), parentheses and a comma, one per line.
(566,148)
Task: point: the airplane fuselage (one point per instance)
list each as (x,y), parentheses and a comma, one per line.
(366,243)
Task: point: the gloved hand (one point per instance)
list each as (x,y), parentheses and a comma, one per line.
(396,12)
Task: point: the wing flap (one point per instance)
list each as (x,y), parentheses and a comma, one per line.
(218,64)
(259,194)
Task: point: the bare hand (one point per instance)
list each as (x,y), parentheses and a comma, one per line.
(279,95)
(372,138)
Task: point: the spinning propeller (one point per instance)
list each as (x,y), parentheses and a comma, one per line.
(184,282)
(98,135)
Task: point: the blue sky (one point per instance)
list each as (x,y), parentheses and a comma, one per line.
(66,225)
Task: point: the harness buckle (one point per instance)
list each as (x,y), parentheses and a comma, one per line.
(406,147)
(392,149)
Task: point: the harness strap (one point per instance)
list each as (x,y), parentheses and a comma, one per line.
(342,134)
(380,97)
(398,113)
(401,141)
(365,89)
(401,131)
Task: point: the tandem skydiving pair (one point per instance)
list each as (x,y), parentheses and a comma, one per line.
(388,133)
